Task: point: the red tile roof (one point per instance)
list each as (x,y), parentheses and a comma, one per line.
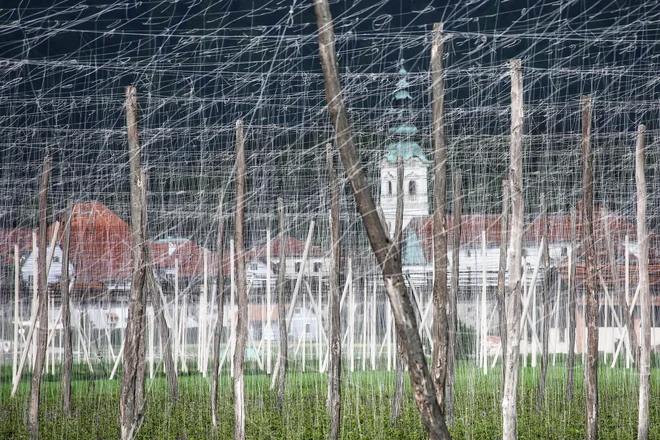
(559,230)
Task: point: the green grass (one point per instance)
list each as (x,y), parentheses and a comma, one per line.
(365,410)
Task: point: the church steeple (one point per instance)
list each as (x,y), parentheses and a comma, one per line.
(402,132)
(402,141)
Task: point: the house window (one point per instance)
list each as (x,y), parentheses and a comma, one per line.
(389,188)
(298,267)
(253,266)
(317,267)
(308,328)
(412,187)
(297,311)
(56,259)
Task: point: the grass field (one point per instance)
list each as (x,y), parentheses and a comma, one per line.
(365,411)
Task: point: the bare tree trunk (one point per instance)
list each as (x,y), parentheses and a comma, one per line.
(645,299)
(42,291)
(509,397)
(281,313)
(452,314)
(570,361)
(397,405)
(591,370)
(501,273)
(334,296)
(131,397)
(241,288)
(439,219)
(220,301)
(545,300)
(395,287)
(66,315)
(620,292)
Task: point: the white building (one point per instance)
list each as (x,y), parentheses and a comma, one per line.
(401,142)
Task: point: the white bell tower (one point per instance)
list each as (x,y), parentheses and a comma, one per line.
(402,143)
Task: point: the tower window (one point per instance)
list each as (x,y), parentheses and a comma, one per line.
(412,187)
(389,188)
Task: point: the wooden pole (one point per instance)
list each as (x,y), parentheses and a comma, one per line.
(452,313)
(440,328)
(631,335)
(545,301)
(509,397)
(220,301)
(232,314)
(351,326)
(150,325)
(570,292)
(241,292)
(484,306)
(364,323)
(132,378)
(645,299)
(501,273)
(281,313)
(296,289)
(373,325)
(591,370)
(177,320)
(334,298)
(17,317)
(380,242)
(42,289)
(269,306)
(397,405)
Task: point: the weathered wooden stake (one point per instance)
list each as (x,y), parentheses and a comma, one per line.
(220,301)
(591,293)
(66,315)
(397,405)
(381,244)
(645,299)
(281,312)
(501,273)
(241,292)
(452,313)
(440,337)
(545,301)
(131,398)
(570,292)
(17,317)
(509,397)
(334,297)
(42,289)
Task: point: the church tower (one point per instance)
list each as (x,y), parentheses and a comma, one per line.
(402,136)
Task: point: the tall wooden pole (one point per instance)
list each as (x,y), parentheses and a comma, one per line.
(397,405)
(132,378)
(241,288)
(645,299)
(440,328)
(334,296)
(591,370)
(17,317)
(570,292)
(381,244)
(281,312)
(501,273)
(220,295)
(545,301)
(452,313)
(67,364)
(42,290)
(509,397)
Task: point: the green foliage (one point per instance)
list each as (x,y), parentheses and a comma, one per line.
(366,400)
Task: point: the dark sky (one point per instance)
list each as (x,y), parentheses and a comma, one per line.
(199,65)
